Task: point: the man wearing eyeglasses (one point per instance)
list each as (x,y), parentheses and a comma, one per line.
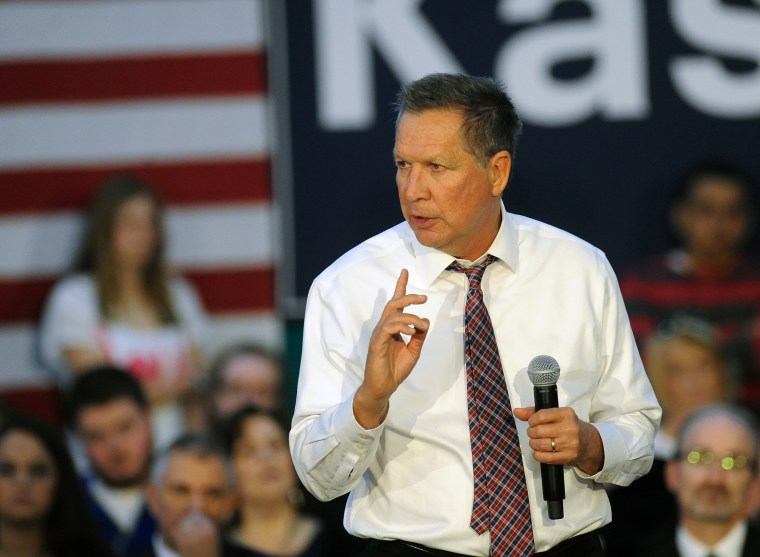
(714,478)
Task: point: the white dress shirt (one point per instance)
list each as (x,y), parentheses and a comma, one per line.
(411,478)
(161,549)
(732,544)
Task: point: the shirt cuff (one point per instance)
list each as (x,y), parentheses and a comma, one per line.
(614,455)
(359,443)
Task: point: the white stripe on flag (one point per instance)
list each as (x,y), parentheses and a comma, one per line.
(198,237)
(115,28)
(128,132)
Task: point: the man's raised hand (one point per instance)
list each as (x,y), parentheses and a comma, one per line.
(390,358)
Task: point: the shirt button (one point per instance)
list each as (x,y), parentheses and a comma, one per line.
(360,446)
(363,436)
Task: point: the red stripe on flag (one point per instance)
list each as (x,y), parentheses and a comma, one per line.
(43,402)
(179,183)
(22,300)
(676,293)
(235,291)
(221,290)
(132,78)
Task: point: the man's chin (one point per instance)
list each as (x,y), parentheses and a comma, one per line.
(124,481)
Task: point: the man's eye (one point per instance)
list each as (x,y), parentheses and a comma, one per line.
(402,164)
(436,166)
(7,469)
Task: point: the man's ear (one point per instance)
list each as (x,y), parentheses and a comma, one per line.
(753,496)
(500,168)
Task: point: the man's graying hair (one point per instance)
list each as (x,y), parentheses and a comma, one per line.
(490,122)
(737,414)
(195,444)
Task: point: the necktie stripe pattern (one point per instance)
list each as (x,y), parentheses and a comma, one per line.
(500,502)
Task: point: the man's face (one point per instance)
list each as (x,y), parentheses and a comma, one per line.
(707,493)
(713,221)
(190,484)
(693,375)
(449,200)
(248,379)
(117,439)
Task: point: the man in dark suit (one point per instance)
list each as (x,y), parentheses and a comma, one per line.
(714,477)
(109,411)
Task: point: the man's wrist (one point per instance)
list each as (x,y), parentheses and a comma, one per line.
(369,412)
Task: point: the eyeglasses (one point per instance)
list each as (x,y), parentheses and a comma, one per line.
(728,461)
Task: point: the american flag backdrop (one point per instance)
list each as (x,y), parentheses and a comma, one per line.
(174,91)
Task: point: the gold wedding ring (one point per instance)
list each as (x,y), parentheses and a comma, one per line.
(554,446)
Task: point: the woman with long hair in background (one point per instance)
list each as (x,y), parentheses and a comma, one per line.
(119,305)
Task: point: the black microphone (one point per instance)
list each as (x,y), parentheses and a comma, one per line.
(544,373)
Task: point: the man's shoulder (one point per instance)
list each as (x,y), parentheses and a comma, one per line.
(660,542)
(540,244)
(149,552)
(752,543)
(394,243)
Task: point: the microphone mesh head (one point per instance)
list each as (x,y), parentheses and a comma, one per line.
(543,370)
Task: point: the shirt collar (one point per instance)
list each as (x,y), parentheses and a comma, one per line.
(730,546)
(161,549)
(432,262)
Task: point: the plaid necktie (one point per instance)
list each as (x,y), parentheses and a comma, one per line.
(500,503)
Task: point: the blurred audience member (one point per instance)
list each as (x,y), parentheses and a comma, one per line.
(42,512)
(714,477)
(243,374)
(270,496)
(248,374)
(120,307)
(688,372)
(191,495)
(710,276)
(109,411)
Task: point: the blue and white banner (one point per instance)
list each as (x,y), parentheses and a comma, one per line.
(618,97)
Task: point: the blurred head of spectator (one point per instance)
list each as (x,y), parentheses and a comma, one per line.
(687,369)
(191,496)
(42,511)
(713,215)
(243,374)
(109,410)
(715,474)
(124,236)
(269,493)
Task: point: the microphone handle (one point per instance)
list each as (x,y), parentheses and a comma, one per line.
(552,478)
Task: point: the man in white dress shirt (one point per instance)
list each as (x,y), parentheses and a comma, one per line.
(382,406)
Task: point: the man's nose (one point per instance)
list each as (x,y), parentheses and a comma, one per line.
(198,502)
(715,474)
(415,185)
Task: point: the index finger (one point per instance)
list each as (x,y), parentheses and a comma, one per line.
(401,283)
(545,416)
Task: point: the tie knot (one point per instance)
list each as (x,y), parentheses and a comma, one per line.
(474,272)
